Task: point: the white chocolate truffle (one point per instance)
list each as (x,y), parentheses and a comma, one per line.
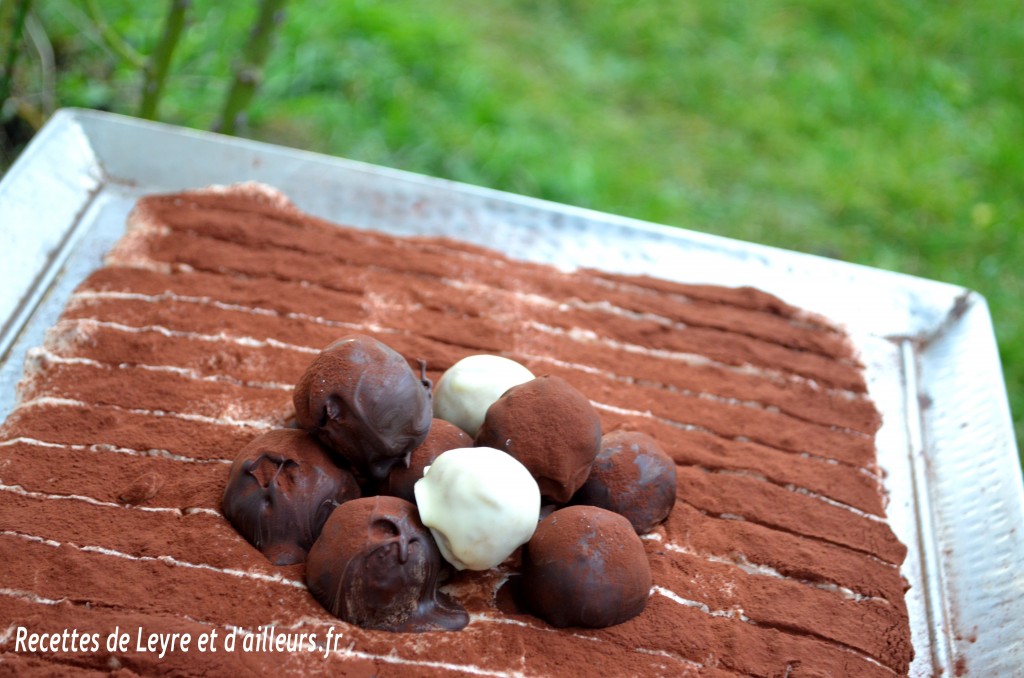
(470,386)
(480,504)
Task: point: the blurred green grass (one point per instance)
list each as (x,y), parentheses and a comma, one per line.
(885,133)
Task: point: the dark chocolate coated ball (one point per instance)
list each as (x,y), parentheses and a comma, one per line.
(281,489)
(376,565)
(551,428)
(443,436)
(362,400)
(585,566)
(632,476)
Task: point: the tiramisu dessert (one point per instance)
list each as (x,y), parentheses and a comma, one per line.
(257,442)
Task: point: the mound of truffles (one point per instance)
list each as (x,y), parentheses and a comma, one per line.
(551,428)
(362,400)
(376,565)
(445,500)
(281,489)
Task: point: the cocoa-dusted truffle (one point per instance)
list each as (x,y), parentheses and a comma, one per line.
(362,400)
(375,565)
(443,436)
(551,428)
(585,566)
(281,489)
(632,476)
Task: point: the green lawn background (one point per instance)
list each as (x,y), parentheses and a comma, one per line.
(887,133)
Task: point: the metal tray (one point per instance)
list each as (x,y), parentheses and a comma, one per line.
(947,443)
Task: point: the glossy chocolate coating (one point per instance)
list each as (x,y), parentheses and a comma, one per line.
(375,565)
(362,400)
(281,489)
(632,476)
(585,566)
(443,436)
(551,428)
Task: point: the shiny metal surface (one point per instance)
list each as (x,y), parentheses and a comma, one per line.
(947,443)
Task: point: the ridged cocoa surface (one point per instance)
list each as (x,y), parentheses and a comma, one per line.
(775,561)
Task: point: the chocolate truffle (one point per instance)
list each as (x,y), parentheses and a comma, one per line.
(443,436)
(585,566)
(281,489)
(480,504)
(551,428)
(362,400)
(375,565)
(470,386)
(632,476)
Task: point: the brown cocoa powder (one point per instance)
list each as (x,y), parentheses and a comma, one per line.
(747,571)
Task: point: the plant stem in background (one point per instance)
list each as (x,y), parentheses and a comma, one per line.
(111,38)
(13,50)
(160,60)
(249,71)
(35,107)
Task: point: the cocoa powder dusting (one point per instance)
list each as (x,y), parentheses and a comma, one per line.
(168,361)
